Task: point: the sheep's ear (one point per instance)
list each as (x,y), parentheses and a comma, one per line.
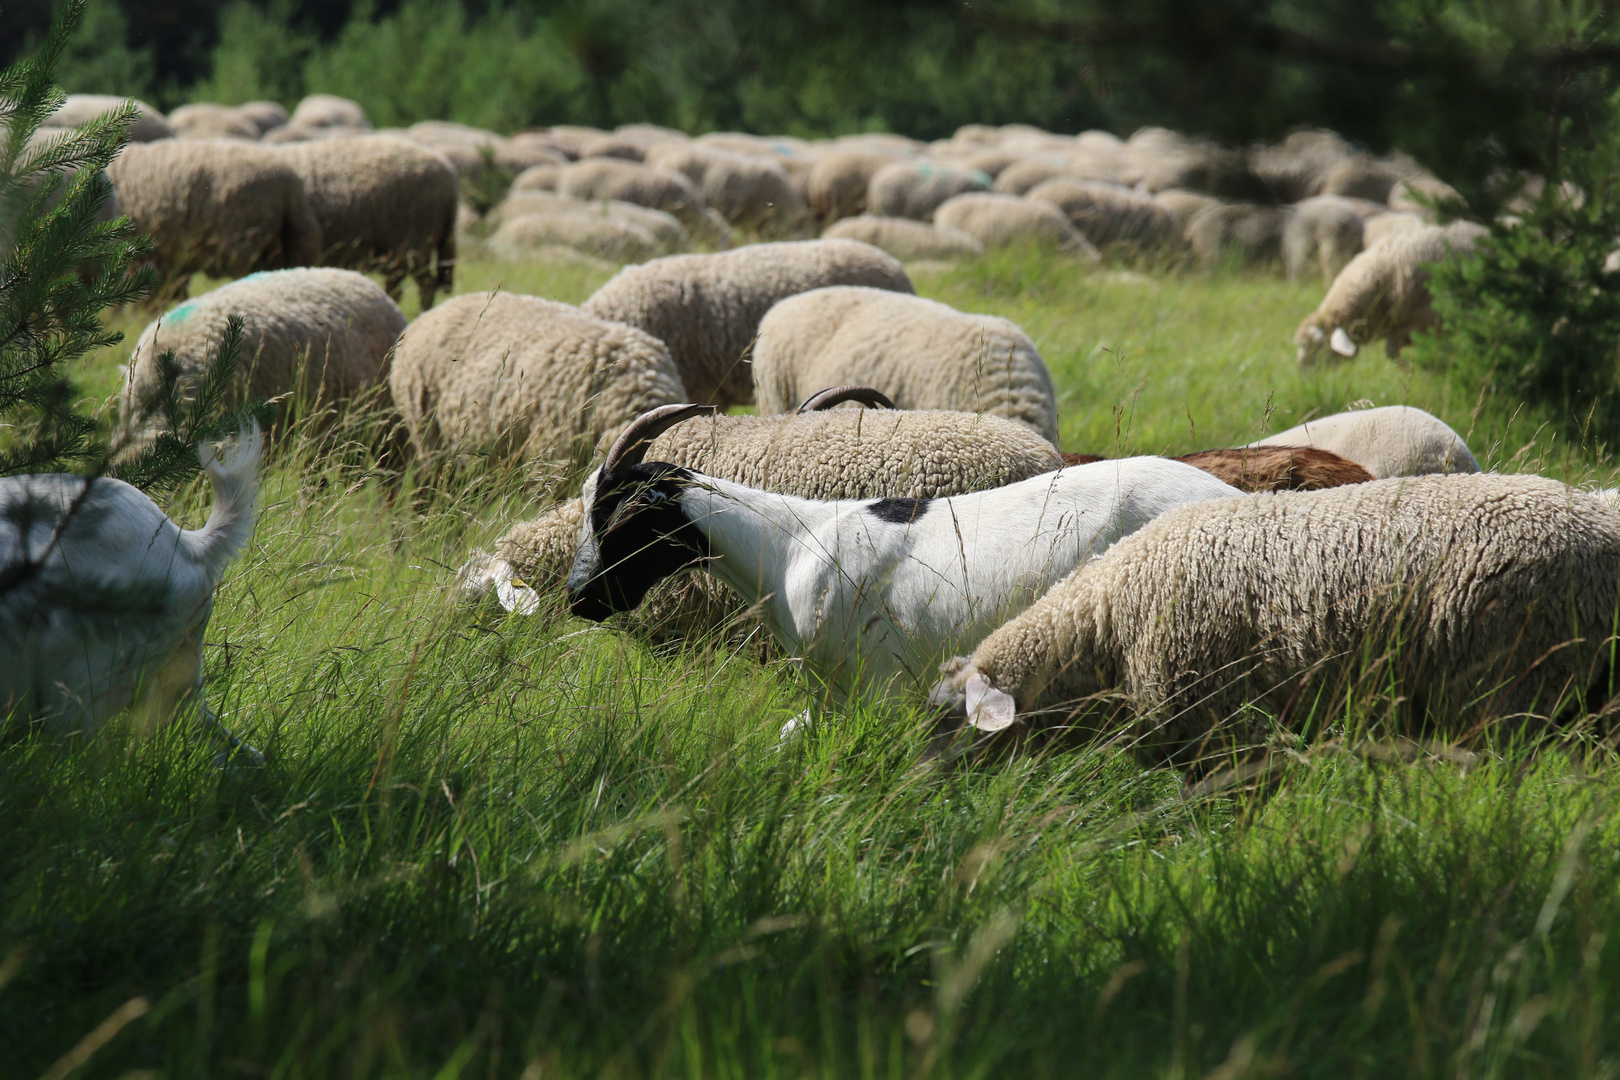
(1341,343)
(988,709)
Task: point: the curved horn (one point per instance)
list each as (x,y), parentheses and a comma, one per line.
(837,395)
(631,446)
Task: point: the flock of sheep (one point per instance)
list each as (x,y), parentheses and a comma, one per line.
(900,497)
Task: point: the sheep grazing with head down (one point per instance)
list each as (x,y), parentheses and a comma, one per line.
(707,308)
(915,189)
(1321,236)
(1383,293)
(104,601)
(518,375)
(217,207)
(324,333)
(1484,598)
(1395,440)
(905,239)
(384,204)
(924,354)
(999,221)
(869,594)
(148,125)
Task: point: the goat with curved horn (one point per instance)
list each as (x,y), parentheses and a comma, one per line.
(632,444)
(837,395)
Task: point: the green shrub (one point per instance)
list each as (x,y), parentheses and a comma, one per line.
(1533,316)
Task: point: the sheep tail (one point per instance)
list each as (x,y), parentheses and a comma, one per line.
(235,479)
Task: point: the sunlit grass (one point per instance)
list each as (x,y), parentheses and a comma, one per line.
(505,847)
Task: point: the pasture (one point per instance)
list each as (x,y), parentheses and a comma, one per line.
(492,846)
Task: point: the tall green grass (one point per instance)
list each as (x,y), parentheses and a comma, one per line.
(505,847)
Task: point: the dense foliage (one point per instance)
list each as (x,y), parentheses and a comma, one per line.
(1466,87)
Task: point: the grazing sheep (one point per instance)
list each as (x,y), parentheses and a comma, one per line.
(868,594)
(1268,467)
(518,375)
(924,354)
(1293,169)
(1025,175)
(384,204)
(1382,293)
(205,120)
(904,239)
(915,189)
(264,115)
(658,189)
(1321,236)
(839,454)
(1483,598)
(1160,160)
(594,233)
(1247,233)
(666,232)
(221,208)
(1376,229)
(1111,216)
(323,332)
(106,600)
(748,191)
(1414,194)
(1395,440)
(707,308)
(329,111)
(1362,176)
(148,125)
(1003,220)
(536,178)
(838,181)
(1185,205)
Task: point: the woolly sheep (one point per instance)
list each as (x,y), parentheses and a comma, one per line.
(1395,440)
(1248,233)
(148,125)
(517,374)
(106,596)
(264,115)
(839,180)
(1029,173)
(658,189)
(1321,236)
(1185,205)
(666,232)
(221,208)
(598,234)
(707,308)
(1109,215)
(1484,597)
(324,332)
(747,191)
(924,354)
(1376,229)
(1414,194)
(1293,169)
(839,454)
(1382,293)
(1002,220)
(904,239)
(384,204)
(915,189)
(205,120)
(328,110)
(536,178)
(991,162)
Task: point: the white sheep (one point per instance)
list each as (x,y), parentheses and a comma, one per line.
(1111,216)
(518,375)
(747,190)
(905,239)
(1321,236)
(868,594)
(1395,440)
(1480,598)
(1383,293)
(707,308)
(915,189)
(329,111)
(1004,220)
(626,181)
(1246,233)
(326,334)
(384,204)
(922,353)
(837,184)
(148,125)
(104,601)
(216,207)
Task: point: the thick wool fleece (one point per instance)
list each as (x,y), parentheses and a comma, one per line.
(1394,440)
(314,331)
(905,239)
(707,308)
(923,354)
(1484,597)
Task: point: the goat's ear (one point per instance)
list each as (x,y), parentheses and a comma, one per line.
(988,709)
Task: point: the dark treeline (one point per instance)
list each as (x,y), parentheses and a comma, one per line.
(1467,88)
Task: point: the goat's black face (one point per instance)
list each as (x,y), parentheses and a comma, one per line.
(638,536)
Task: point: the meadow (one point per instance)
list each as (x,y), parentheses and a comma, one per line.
(493,846)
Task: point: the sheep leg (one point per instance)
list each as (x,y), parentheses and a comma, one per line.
(179,681)
(394,281)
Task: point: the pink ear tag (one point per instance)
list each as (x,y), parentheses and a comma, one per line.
(988,709)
